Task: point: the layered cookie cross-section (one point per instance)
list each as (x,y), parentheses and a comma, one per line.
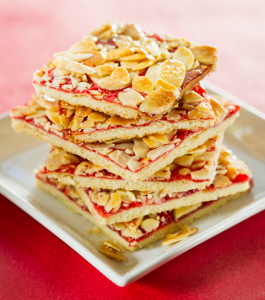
(120,70)
(133,159)
(194,170)
(115,206)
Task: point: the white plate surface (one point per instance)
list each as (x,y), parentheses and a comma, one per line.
(21,154)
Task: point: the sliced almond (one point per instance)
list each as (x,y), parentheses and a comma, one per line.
(114,202)
(131,98)
(221,181)
(153,72)
(87,167)
(120,157)
(135,234)
(54,160)
(128,64)
(173,72)
(53,116)
(232,171)
(155,140)
(117,120)
(184,171)
(134,57)
(158,101)
(140,148)
(119,226)
(96,59)
(134,163)
(184,161)
(166,86)
(73,57)
(155,153)
(192,98)
(142,84)
(119,53)
(83,111)
(198,151)
(112,245)
(79,68)
(202,107)
(184,55)
(117,80)
(164,173)
(178,237)
(205,54)
(217,107)
(104,70)
(143,65)
(82,46)
(149,225)
(202,174)
(109,252)
(97,117)
(134,224)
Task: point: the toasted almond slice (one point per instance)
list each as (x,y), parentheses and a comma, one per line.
(184,161)
(198,151)
(82,46)
(184,55)
(53,116)
(79,68)
(134,57)
(232,171)
(198,165)
(119,53)
(143,65)
(109,252)
(128,64)
(192,98)
(140,148)
(184,171)
(133,30)
(134,163)
(166,86)
(83,111)
(112,245)
(221,181)
(149,225)
(128,232)
(117,120)
(202,174)
(54,160)
(188,106)
(104,70)
(96,59)
(142,84)
(208,156)
(179,212)
(173,72)
(158,101)
(74,57)
(97,116)
(119,226)
(114,202)
(117,80)
(164,173)
(179,237)
(87,167)
(64,121)
(131,98)
(69,158)
(134,224)
(217,107)
(155,153)
(205,54)
(99,30)
(120,157)
(153,72)
(202,107)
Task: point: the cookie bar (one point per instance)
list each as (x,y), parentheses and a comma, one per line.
(142,231)
(120,70)
(82,124)
(135,159)
(194,170)
(115,206)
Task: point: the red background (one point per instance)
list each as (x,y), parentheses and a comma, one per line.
(34,264)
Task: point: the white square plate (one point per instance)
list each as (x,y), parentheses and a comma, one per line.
(21,154)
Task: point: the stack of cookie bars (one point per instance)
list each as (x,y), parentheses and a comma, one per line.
(136,141)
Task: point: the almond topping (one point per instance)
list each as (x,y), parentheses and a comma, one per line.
(117,120)
(114,202)
(202,174)
(119,226)
(184,55)
(144,64)
(53,116)
(119,53)
(134,224)
(82,46)
(177,237)
(173,72)
(158,101)
(198,151)
(96,59)
(104,70)
(79,68)
(64,121)
(184,161)
(128,232)
(131,98)
(192,98)
(153,72)
(142,84)
(119,79)
(184,171)
(111,253)
(155,153)
(221,181)
(205,54)
(83,111)
(134,164)
(155,140)
(149,225)
(140,148)
(120,157)
(134,57)
(128,64)
(112,245)
(166,86)
(232,171)
(97,117)
(87,167)
(218,109)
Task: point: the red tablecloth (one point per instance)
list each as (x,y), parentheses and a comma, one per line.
(34,264)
